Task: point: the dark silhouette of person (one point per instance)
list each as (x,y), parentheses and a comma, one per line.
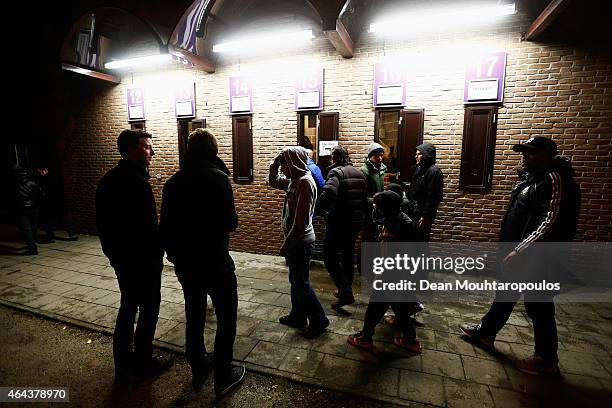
(126,218)
(28,196)
(197,216)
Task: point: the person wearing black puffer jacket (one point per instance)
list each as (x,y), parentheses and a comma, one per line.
(544,207)
(426,189)
(343,203)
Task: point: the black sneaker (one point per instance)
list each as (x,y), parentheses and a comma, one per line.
(226,385)
(416,307)
(472,332)
(200,371)
(343,301)
(314,331)
(153,367)
(291,322)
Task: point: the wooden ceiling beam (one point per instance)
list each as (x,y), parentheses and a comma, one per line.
(340,39)
(554,9)
(336,33)
(196,60)
(90,73)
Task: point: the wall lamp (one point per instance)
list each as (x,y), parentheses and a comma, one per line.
(441,19)
(270,41)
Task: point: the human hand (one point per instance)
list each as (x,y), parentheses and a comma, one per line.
(508,259)
(423,222)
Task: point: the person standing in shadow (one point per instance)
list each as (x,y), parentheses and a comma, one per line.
(197,217)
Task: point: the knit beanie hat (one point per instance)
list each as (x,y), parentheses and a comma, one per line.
(375,148)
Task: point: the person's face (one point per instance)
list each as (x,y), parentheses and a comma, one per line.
(285,169)
(535,159)
(418,156)
(377,158)
(143,152)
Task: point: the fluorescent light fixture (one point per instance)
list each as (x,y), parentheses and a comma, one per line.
(147,61)
(270,41)
(441,19)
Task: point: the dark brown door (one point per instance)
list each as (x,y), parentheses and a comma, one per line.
(478,150)
(328,130)
(242,148)
(185,127)
(411,135)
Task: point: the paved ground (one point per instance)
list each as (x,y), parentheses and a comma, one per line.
(85,365)
(72,281)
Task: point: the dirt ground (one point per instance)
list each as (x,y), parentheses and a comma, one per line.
(39,352)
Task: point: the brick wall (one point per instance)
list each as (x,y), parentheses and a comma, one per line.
(563,91)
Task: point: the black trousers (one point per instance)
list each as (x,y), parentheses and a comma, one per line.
(338,252)
(542,315)
(222,287)
(27,220)
(376,311)
(140,292)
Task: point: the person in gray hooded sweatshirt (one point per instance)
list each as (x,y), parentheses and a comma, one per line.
(299,240)
(426,189)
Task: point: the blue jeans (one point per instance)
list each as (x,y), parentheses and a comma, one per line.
(304,302)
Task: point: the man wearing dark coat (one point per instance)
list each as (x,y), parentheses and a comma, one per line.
(126,218)
(544,207)
(343,203)
(197,217)
(426,189)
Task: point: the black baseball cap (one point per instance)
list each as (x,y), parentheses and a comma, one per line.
(537,143)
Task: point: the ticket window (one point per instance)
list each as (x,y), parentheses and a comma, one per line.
(185,127)
(309,132)
(314,128)
(399,131)
(387,129)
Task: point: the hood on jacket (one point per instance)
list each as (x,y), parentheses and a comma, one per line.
(428,151)
(296,158)
(388,202)
(194,162)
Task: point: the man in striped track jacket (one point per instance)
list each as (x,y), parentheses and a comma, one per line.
(544,207)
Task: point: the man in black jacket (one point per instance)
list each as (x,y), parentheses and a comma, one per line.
(197,216)
(126,217)
(28,195)
(343,204)
(426,189)
(544,207)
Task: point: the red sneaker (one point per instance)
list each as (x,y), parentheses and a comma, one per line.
(358,340)
(413,346)
(535,365)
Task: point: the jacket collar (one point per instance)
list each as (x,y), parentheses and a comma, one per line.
(139,168)
(206,163)
(372,167)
